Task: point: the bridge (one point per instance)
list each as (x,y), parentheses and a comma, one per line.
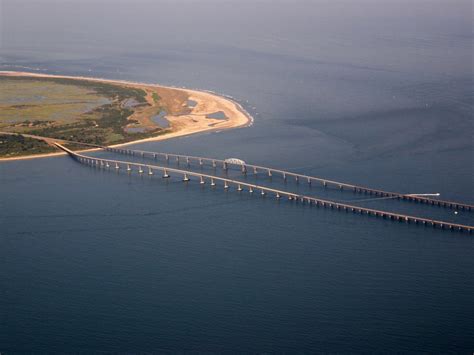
(241,186)
(255,169)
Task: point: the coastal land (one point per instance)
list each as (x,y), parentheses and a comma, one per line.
(102,112)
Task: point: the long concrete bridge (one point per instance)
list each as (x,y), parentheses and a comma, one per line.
(241,186)
(255,169)
(245,168)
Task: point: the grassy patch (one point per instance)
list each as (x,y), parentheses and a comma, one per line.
(155,97)
(77,110)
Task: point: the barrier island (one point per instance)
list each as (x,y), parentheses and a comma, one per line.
(103,112)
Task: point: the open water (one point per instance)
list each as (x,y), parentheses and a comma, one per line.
(377,93)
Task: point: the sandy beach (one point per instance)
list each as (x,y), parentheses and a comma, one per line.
(197,121)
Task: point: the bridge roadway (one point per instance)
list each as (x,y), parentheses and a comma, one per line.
(263,190)
(297,177)
(270,172)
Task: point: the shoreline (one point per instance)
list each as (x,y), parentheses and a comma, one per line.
(239,117)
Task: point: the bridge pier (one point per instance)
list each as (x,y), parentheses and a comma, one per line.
(105,163)
(213,183)
(255,171)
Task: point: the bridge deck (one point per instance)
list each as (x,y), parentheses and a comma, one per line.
(297,177)
(119,164)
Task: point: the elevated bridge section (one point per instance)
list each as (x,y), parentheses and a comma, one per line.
(241,186)
(257,169)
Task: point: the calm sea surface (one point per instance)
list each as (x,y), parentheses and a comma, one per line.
(378,93)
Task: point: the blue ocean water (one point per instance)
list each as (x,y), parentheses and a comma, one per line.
(372,93)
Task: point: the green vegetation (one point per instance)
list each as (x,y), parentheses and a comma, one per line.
(114,91)
(76,110)
(156,97)
(17,145)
